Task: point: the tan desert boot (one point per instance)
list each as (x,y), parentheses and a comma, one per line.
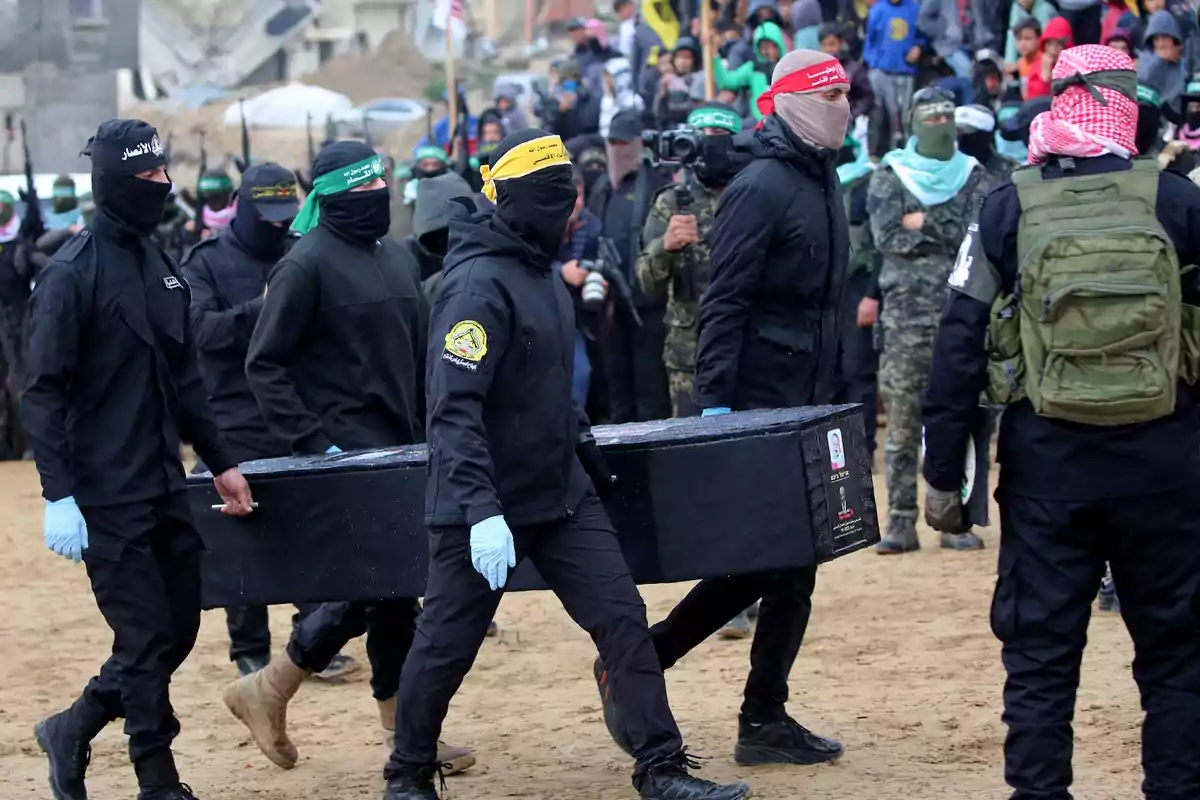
(260,701)
(453,759)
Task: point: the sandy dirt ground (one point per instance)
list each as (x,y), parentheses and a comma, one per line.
(899,664)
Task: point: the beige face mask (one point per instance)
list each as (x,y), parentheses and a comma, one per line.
(815,120)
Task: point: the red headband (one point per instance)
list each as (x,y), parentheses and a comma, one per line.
(811,78)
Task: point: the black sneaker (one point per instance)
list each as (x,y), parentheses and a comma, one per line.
(674,783)
(248,665)
(782,742)
(412,786)
(612,714)
(69,754)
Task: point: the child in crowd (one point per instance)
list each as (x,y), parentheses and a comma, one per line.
(892,51)
(1028,37)
(1041,11)
(1055,38)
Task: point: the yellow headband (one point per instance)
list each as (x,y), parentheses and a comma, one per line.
(524,159)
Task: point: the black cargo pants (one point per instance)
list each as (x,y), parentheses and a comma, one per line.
(1052,556)
(580,560)
(143,560)
(783,616)
(388,624)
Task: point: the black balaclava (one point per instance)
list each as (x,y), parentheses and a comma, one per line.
(120,149)
(363,217)
(716,165)
(980,145)
(1148,138)
(261,239)
(593,162)
(538,206)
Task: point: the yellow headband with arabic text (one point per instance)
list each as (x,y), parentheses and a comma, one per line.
(524,159)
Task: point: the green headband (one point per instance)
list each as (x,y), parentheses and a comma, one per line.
(335,182)
(6,198)
(1119,80)
(1150,97)
(215,183)
(715,118)
(62,191)
(431,151)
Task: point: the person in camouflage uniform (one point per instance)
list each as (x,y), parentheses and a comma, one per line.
(920,202)
(674,260)
(674,257)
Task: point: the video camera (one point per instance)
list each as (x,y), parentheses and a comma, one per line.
(683,145)
(603,272)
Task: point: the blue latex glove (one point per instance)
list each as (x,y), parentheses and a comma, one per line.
(492,551)
(333,448)
(712,412)
(64,529)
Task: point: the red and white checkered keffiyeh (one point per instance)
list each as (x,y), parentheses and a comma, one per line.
(1076,125)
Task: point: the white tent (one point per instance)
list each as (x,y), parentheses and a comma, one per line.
(288,107)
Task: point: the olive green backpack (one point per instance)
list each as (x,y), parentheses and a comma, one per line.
(1092,332)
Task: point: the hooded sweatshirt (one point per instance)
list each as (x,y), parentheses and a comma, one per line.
(1165,77)
(891,34)
(1037,86)
(431,217)
(806,23)
(753,76)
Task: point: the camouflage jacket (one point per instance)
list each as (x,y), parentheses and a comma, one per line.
(659,272)
(916,264)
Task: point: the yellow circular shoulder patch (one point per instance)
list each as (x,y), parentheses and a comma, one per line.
(467,340)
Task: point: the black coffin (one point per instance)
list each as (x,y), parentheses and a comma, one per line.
(695,498)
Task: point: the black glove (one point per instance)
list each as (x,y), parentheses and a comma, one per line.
(595,466)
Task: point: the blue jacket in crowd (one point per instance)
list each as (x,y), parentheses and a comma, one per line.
(891,33)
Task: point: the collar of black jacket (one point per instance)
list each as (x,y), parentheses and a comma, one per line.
(773,140)
(480,234)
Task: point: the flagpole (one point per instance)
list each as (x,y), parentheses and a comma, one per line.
(706,48)
(451,85)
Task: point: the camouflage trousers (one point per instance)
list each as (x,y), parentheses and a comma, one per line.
(680,384)
(903,376)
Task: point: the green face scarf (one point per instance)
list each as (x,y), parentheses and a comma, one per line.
(339,180)
(935,140)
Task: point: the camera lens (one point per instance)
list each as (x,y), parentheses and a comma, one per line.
(683,148)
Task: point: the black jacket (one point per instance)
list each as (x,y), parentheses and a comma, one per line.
(640,188)
(582,118)
(227,285)
(1047,458)
(502,427)
(338,354)
(768,324)
(113,382)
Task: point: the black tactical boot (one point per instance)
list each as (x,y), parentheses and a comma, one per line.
(415,785)
(962,541)
(158,779)
(180,792)
(66,738)
(612,714)
(782,742)
(670,781)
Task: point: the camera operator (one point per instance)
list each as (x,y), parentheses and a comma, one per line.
(637,379)
(676,243)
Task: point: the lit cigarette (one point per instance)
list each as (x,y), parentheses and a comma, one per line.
(220,506)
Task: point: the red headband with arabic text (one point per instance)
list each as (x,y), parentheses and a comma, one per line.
(812,78)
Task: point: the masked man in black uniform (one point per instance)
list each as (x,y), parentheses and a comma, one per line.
(508,448)
(112,388)
(337,362)
(226,274)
